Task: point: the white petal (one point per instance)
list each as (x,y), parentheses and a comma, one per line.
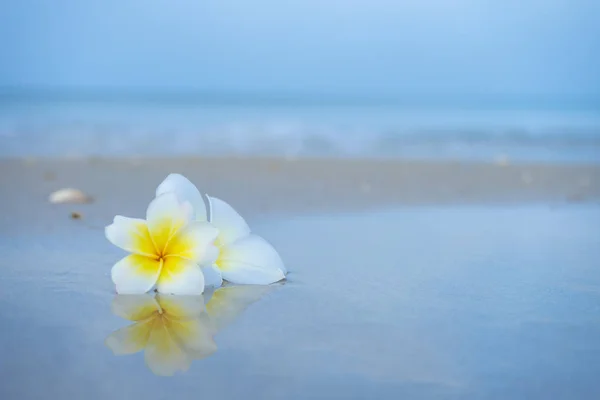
(195,242)
(230,224)
(211,256)
(180,276)
(130,234)
(135,274)
(185,191)
(212,277)
(251,260)
(165,216)
(228,303)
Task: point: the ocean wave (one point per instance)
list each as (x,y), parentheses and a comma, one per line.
(355,132)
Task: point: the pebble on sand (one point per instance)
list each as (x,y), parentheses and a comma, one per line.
(69,195)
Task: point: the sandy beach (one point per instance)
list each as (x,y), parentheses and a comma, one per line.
(429,280)
(266,185)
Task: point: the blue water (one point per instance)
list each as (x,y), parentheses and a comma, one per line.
(171,127)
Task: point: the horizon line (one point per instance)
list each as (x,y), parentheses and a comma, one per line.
(254,97)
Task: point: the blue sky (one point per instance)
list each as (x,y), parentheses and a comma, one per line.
(375,47)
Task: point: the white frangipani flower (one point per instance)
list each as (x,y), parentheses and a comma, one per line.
(244,258)
(168,249)
(172,331)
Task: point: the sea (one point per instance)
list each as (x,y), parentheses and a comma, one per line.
(117,125)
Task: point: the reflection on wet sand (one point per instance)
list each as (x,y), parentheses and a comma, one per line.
(175,330)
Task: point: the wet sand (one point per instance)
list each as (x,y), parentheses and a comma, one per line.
(407,280)
(267,185)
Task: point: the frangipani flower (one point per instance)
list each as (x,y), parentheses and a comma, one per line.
(244,258)
(167,248)
(175,330)
(172,330)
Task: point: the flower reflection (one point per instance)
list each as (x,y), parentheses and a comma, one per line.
(175,330)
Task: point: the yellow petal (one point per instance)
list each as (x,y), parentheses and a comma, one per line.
(130,339)
(131,234)
(195,242)
(135,274)
(181,307)
(165,216)
(195,336)
(163,355)
(134,307)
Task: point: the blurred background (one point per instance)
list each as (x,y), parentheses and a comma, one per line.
(458,79)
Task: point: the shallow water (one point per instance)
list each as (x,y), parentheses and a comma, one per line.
(462,302)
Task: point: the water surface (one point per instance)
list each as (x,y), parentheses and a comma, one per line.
(439,303)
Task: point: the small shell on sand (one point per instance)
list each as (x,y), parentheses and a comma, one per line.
(69,195)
